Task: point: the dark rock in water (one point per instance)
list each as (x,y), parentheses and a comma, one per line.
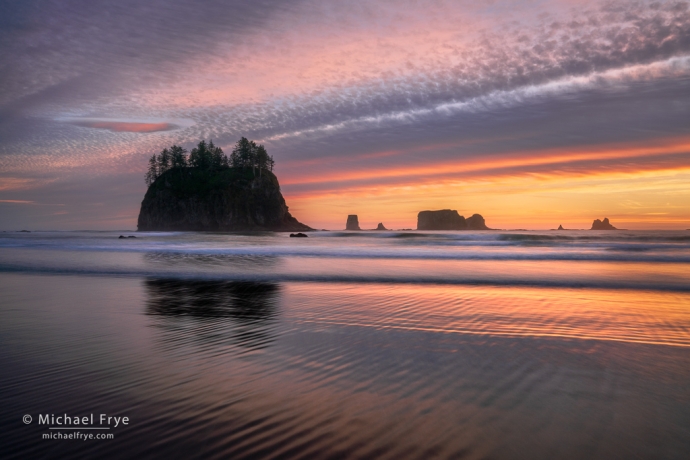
(476,222)
(602,225)
(298,235)
(381,227)
(444,219)
(228,199)
(560,227)
(447,219)
(24,231)
(352,222)
(125,237)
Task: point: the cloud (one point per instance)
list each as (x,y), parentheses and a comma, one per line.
(560,164)
(123,126)
(34,203)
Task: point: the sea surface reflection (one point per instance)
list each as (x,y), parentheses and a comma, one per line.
(218,313)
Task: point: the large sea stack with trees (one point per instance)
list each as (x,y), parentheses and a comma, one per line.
(209,191)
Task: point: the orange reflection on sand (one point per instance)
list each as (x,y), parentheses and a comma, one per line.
(609,315)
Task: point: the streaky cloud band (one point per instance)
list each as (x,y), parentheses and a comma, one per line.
(126,126)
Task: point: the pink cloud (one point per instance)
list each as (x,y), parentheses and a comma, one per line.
(128,127)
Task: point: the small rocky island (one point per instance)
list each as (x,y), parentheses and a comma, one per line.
(352,222)
(447,219)
(207,191)
(602,225)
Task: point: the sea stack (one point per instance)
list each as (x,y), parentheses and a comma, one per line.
(476,222)
(381,227)
(352,222)
(230,199)
(447,219)
(560,227)
(602,225)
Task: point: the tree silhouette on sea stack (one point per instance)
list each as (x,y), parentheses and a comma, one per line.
(208,157)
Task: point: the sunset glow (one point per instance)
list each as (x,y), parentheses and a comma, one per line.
(531,114)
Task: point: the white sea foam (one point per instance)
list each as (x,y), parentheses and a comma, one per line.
(620,260)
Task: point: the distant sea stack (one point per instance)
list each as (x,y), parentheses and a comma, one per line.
(476,222)
(381,227)
(602,225)
(560,227)
(447,219)
(229,199)
(352,222)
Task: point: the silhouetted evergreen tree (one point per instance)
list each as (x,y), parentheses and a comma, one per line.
(200,157)
(218,158)
(178,157)
(241,156)
(152,173)
(262,158)
(163,161)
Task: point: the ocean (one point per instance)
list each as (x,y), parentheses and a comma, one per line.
(494,344)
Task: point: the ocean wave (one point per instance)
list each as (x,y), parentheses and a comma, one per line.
(498,235)
(615,254)
(353,278)
(479,237)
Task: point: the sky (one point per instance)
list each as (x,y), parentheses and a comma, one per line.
(532,113)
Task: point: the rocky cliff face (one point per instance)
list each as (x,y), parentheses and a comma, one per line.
(230,199)
(447,219)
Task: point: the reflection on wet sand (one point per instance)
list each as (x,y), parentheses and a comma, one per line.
(209,369)
(246,261)
(217,313)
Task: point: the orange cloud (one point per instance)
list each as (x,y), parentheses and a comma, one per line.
(522,161)
(129,127)
(21,183)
